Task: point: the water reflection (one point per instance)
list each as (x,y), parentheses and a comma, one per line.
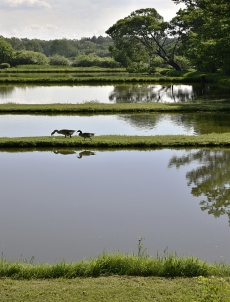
(64,152)
(121,124)
(63,208)
(137,124)
(152,93)
(117,93)
(86,153)
(210,179)
(166,93)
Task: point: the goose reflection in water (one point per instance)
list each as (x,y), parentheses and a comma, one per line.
(85,153)
(64,152)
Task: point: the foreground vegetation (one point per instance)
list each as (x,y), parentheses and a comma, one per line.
(169,265)
(116,288)
(119,278)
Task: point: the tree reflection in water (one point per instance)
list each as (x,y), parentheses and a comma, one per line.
(168,93)
(151,93)
(210,179)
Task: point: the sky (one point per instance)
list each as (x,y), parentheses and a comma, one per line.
(71,19)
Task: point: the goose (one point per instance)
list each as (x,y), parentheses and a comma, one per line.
(65,132)
(85,134)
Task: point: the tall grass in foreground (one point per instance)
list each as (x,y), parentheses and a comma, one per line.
(116,264)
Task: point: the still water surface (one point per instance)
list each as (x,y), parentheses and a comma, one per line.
(122,93)
(126,124)
(65,204)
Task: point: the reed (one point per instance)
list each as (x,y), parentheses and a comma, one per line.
(115,264)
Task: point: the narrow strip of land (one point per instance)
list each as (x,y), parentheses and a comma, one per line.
(119,141)
(97,108)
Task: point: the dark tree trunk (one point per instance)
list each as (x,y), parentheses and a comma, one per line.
(174,65)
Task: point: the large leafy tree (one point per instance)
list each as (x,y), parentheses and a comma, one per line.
(63,47)
(143,35)
(6,51)
(204,26)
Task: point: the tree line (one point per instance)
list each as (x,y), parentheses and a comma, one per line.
(198,37)
(63,52)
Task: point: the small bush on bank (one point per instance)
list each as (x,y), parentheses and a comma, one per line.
(93,60)
(59,61)
(4,65)
(25,57)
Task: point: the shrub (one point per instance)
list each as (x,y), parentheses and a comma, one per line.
(25,57)
(6,51)
(59,61)
(93,60)
(4,65)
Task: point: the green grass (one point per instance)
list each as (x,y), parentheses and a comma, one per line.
(48,68)
(162,75)
(119,141)
(12,75)
(91,80)
(94,107)
(116,277)
(114,289)
(169,266)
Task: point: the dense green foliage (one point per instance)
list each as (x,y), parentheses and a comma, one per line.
(64,47)
(84,53)
(142,36)
(6,51)
(204,27)
(199,35)
(58,60)
(26,57)
(93,60)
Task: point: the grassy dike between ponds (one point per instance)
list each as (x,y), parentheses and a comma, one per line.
(100,108)
(119,141)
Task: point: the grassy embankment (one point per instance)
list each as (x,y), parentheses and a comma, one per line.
(41,75)
(119,277)
(116,141)
(98,108)
(116,288)
(119,141)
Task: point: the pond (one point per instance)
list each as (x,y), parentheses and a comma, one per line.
(121,124)
(119,93)
(56,207)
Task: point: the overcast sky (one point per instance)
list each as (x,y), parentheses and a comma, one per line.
(71,19)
